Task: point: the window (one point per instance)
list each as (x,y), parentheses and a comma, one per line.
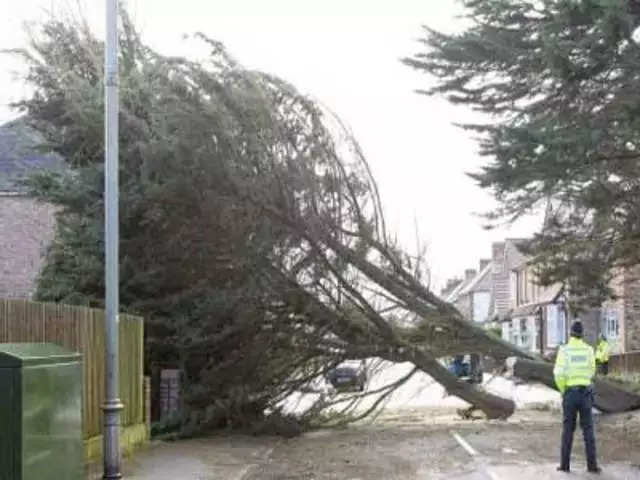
(556,326)
(515,288)
(506,331)
(524,333)
(524,288)
(609,324)
(481,302)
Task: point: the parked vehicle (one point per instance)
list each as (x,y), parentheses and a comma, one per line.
(467,368)
(350,374)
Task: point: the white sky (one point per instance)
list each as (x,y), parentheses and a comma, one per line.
(346,54)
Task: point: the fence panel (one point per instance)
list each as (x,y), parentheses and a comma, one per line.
(625,363)
(82,329)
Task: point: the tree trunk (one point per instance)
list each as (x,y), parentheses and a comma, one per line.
(492,405)
(609,397)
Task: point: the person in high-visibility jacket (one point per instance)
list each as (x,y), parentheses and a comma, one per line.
(602,356)
(574,371)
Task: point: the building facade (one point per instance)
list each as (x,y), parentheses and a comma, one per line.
(27,226)
(473,295)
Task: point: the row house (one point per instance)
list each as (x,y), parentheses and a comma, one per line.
(472,296)
(538,318)
(619,318)
(503,292)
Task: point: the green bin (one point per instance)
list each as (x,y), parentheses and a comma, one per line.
(40,413)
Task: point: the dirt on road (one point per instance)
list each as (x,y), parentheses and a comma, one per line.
(409,445)
(432,450)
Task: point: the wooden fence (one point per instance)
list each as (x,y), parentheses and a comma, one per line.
(625,363)
(81,329)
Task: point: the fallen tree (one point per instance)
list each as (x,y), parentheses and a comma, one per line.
(253,237)
(608,397)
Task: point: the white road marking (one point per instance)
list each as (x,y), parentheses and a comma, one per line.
(474,453)
(463,443)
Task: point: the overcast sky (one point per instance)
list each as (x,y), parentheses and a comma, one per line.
(346,54)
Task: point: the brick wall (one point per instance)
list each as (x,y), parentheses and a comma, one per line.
(591,324)
(26,229)
(632,309)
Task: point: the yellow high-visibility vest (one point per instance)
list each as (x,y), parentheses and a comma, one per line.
(602,351)
(575,365)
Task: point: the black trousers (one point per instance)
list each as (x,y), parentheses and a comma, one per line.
(578,400)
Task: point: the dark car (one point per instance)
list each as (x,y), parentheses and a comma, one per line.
(348,375)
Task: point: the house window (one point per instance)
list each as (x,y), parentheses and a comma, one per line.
(524,333)
(556,326)
(523,287)
(609,324)
(506,331)
(481,302)
(520,296)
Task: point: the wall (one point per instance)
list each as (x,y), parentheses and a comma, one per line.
(505,256)
(27,227)
(464,304)
(591,325)
(632,310)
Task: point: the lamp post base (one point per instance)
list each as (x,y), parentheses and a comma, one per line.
(111,436)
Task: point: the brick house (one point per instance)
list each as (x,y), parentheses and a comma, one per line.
(537,320)
(529,315)
(27,226)
(619,319)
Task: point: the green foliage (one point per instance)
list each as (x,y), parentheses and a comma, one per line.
(252,234)
(197,259)
(558,80)
(495,331)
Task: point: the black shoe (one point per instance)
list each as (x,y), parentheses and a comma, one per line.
(594,470)
(563,469)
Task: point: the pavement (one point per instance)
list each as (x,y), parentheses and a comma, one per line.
(435,452)
(228,458)
(218,458)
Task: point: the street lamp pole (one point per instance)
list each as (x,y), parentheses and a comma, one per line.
(112,405)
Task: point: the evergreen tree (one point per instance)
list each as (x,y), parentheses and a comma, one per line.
(558,82)
(252,234)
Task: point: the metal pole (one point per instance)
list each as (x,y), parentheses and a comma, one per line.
(112,405)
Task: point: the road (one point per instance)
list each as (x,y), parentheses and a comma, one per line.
(409,445)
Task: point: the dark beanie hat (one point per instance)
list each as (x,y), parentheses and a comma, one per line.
(576,329)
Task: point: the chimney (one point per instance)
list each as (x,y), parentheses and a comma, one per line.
(484,263)
(469,274)
(451,285)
